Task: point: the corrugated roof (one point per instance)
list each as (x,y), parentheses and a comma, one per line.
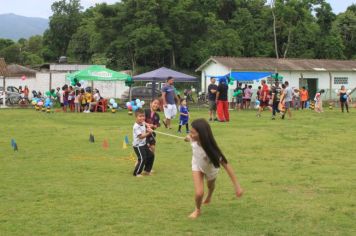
(15,70)
(69,67)
(272,64)
(3,67)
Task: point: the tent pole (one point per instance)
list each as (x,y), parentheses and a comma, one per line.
(330,85)
(50,81)
(153,89)
(130,95)
(4,98)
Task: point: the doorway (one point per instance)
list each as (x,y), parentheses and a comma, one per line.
(311,84)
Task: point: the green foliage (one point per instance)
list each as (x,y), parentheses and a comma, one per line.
(345,24)
(4,43)
(136,34)
(35,44)
(62,26)
(31,59)
(26,52)
(11,53)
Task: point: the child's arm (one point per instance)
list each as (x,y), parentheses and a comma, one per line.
(233,178)
(282,97)
(149,132)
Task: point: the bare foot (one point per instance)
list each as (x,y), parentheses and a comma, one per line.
(239,192)
(195,214)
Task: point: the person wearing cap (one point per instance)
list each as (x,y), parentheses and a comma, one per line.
(212,89)
(169,98)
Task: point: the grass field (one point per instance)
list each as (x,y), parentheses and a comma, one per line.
(299,177)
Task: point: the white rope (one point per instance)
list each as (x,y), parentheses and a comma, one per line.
(171,135)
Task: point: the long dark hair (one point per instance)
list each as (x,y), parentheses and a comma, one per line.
(208,143)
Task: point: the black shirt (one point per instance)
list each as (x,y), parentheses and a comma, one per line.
(342,97)
(212,96)
(277,94)
(152,118)
(222,89)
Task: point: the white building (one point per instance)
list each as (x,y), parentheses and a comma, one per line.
(51,76)
(311,73)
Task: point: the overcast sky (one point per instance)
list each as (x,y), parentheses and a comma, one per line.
(42,8)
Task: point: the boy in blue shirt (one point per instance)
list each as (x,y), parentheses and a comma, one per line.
(184,116)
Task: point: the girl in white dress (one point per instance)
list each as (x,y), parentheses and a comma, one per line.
(207,158)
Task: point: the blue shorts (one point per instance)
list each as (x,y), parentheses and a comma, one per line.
(183,122)
(288,105)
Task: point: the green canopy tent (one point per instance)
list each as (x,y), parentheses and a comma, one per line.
(97,73)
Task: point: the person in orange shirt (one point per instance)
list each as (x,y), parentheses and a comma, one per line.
(303,97)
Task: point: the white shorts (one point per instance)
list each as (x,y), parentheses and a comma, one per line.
(170,111)
(209,170)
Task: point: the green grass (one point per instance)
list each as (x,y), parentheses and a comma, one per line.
(298,176)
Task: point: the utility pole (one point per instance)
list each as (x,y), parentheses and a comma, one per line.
(274,28)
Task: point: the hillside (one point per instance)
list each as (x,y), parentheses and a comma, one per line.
(15,27)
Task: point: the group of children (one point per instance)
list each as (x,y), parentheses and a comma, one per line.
(207,156)
(78,99)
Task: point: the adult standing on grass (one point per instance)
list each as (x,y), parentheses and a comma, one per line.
(169,98)
(247,97)
(288,98)
(239,92)
(206,161)
(304,96)
(212,89)
(263,97)
(276,98)
(221,101)
(343,99)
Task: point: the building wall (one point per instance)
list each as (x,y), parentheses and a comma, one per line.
(293,77)
(109,89)
(17,81)
(212,69)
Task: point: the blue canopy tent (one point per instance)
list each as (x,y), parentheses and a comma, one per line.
(248,75)
(161,74)
(244,75)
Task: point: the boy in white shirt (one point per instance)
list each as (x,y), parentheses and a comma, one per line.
(140,132)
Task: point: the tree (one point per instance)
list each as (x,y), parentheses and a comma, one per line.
(329,44)
(252,21)
(63,24)
(34,45)
(345,25)
(4,43)
(12,53)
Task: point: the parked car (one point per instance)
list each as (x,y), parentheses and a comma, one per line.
(13,95)
(140,92)
(158,85)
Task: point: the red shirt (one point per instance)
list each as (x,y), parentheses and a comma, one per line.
(264,93)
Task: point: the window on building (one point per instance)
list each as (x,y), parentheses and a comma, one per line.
(341,80)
